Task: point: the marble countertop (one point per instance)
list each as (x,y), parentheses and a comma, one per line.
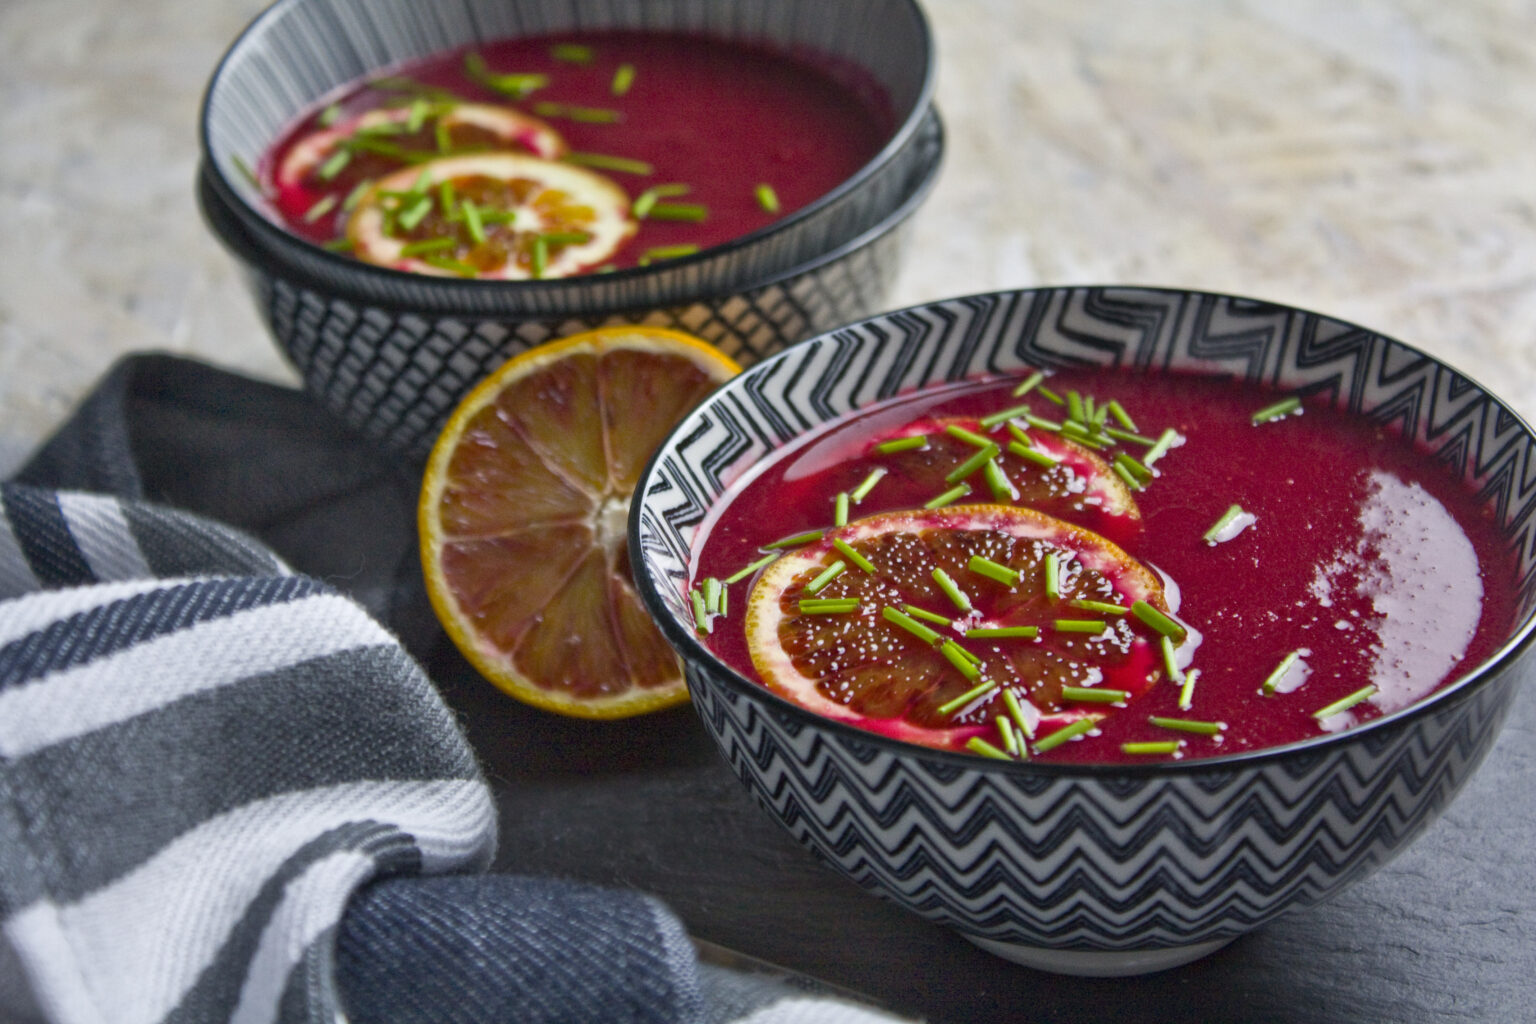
(1374,161)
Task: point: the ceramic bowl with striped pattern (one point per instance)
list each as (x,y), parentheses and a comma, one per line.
(1093,869)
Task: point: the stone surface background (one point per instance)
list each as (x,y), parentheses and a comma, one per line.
(1373,160)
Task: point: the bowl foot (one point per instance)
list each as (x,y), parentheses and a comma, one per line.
(1093,964)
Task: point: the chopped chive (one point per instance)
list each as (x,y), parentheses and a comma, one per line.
(417,116)
(1098,606)
(623,78)
(1151,747)
(539,259)
(339,245)
(910,624)
(1187,692)
(1051,396)
(923,613)
(334,164)
(1094,695)
(571,53)
(1002,632)
(1187,725)
(1158,621)
(515,86)
(473,222)
(725,598)
(1020,719)
(840,509)
(956,656)
(972,464)
(861,492)
(647,199)
(605,162)
(1094,626)
(1075,431)
(329,116)
(796,540)
(1034,455)
(998,482)
(322,207)
(948,497)
(356,195)
(743,573)
(246,172)
(1230,516)
(1005,730)
(566,237)
(1065,733)
(826,576)
(1272,681)
(901,444)
(1075,408)
(1121,416)
(767,198)
(1053,575)
(712,591)
(977,745)
(1040,423)
(993,570)
(951,590)
(585,115)
(1029,384)
(988,422)
(1164,442)
(1137,468)
(968,436)
(441,137)
(416,213)
(700,613)
(1170,660)
(452,265)
(1361,695)
(667,252)
(426,245)
(828,605)
(448,199)
(1127,477)
(1126,436)
(853,556)
(694,212)
(974,659)
(1284,407)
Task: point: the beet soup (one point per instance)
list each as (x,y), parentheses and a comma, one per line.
(1205,567)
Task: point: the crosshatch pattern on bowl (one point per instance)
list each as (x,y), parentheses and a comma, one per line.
(1092,859)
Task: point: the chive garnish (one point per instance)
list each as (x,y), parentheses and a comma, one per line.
(1020,719)
(840,509)
(743,573)
(1051,396)
(426,245)
(338,245)
(571,53)
(700,614)
(417,116)
(1053,575)
(1082,435)
(1002,632)
(828,605)
(861,492)
(335,163)
(826,576)
(977,745)
(585,115)
(956,656)
(1127,477)
(416,213)
(972,464)
(1094,695)
(910,624)
(993,570)
(795,541)
(473,222)
(623,78)
(448,199)
(441,137)
(1170,661)
(1094,626)
(1187,725)
(539,258)
(1284,407)
(643,203)
(1272,681)
(966,697)
(667,252)
(901,444)
(356,195)
(694,212)
(452,265)
(329,116)
(923,613)
(1104,607)
(1151,747)
(1075,408)
(1029,384)
(1361,695)
(1034,455)
(968,436)
(847,551)
(1187,692)
(1137,468)
(515,86)
(1126,436)
(1161,446)
(767,198)
(998,482)
(988,422)
(1065,733)
(322,207)
(725,595)
(1042,424)
(1158,621)
(712,591)
(948,497)
(606,162)
(1005,730)
(1019,433)
(951,590)
(1227,519)
(1121,416)
(246,172)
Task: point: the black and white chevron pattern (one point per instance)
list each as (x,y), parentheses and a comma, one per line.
(1100,859)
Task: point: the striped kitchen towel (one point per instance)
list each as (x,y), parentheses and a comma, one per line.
(228,794)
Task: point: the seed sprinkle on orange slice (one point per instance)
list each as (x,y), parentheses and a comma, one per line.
(524,508)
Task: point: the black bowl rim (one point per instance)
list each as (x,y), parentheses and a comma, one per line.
(234,234)
(688,646)
(279,238)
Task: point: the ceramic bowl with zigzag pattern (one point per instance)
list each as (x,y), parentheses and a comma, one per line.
(1094,869)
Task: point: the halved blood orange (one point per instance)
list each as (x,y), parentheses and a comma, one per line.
(860,662)
(507,216)
(523,512)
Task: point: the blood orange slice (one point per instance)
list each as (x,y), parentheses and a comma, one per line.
(523,512)
(940,622)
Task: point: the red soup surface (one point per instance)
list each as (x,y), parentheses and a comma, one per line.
(1207,568)
(550,156)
